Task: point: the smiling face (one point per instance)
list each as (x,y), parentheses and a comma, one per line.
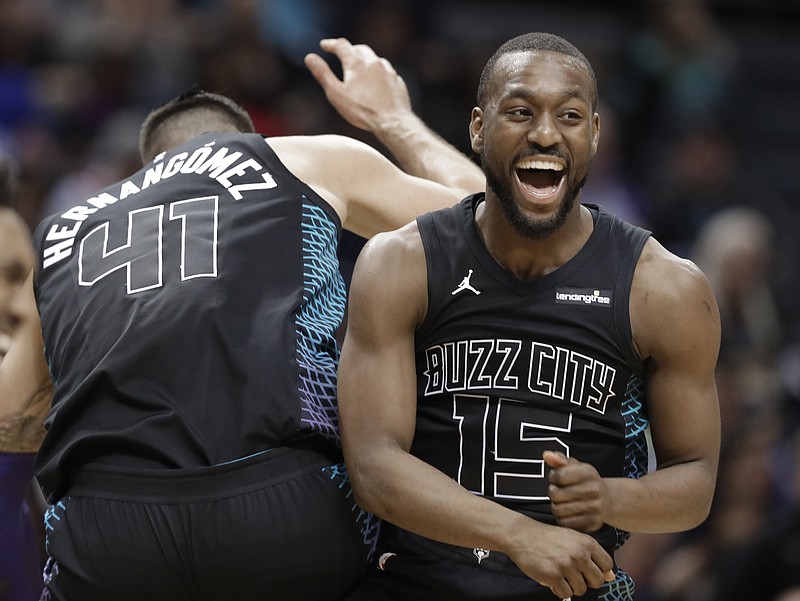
(16,260)
(536,134)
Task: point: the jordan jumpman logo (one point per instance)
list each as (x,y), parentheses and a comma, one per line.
(465,285)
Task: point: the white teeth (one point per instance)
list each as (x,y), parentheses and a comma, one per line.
(530,164)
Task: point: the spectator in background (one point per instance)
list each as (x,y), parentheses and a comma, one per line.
(734,249)
(765,565)
(21,557)
(677,68)
(678,79)
(612,185)
(16,255)
(691,182)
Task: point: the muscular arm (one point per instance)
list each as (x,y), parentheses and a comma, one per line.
(373,97)
(369,192)
(377,398)
(677,329)
(25,387)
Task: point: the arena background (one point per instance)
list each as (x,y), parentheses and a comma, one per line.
(701,122)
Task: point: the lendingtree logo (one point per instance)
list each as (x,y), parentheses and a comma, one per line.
(583,296)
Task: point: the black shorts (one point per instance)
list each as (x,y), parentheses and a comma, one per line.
(412,568)
(278,526)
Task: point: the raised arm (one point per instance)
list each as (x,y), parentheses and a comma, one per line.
(369,192)
(25,386)
(373,97)
(377,399)
(676,328)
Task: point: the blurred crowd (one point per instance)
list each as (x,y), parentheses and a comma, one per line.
(78,76)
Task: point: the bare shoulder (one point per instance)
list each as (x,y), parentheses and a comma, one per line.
(671,299)
(390,273)
(664,273)
(393,255)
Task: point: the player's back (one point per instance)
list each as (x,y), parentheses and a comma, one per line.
(189,312)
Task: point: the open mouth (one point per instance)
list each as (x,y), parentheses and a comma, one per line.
(540,178)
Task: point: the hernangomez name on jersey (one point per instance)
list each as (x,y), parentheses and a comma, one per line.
(219,267)
(508,368)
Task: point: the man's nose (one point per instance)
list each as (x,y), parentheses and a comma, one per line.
(544,131)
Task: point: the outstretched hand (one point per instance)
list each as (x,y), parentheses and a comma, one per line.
(577,492)
(370,91)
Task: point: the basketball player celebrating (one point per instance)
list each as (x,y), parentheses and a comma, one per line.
(504,358)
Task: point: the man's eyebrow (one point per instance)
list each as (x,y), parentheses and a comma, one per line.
(524,93)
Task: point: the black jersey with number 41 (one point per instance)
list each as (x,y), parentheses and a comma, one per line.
(508,368)
(189,312)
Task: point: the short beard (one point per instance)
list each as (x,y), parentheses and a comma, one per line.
(525,227)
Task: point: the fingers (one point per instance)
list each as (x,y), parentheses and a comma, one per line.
(563,589)
(577,507)
(589,576)
(319,67)
(388,66)
(350,56)
(573,564)
(604,563)
(574,495)
(345,51)
(320,70)
(566,471)
(335,45)
(576,583)
(555,459)
(574,519)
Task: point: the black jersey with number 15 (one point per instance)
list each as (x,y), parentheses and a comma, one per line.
(508,368)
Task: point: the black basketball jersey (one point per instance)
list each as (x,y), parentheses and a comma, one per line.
(189,313)
(508,368)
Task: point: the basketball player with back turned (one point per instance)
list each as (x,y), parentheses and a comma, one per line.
(188,318)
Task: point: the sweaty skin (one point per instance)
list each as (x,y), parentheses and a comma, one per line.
(540,108)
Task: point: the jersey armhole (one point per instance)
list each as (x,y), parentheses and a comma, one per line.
(305,190)
(432,249)
(622,315)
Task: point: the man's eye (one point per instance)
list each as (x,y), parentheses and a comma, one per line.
(519,112)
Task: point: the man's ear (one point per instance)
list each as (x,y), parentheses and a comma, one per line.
(595,132)
(476,130)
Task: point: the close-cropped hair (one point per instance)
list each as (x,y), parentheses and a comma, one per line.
(529,42)
(218,105)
